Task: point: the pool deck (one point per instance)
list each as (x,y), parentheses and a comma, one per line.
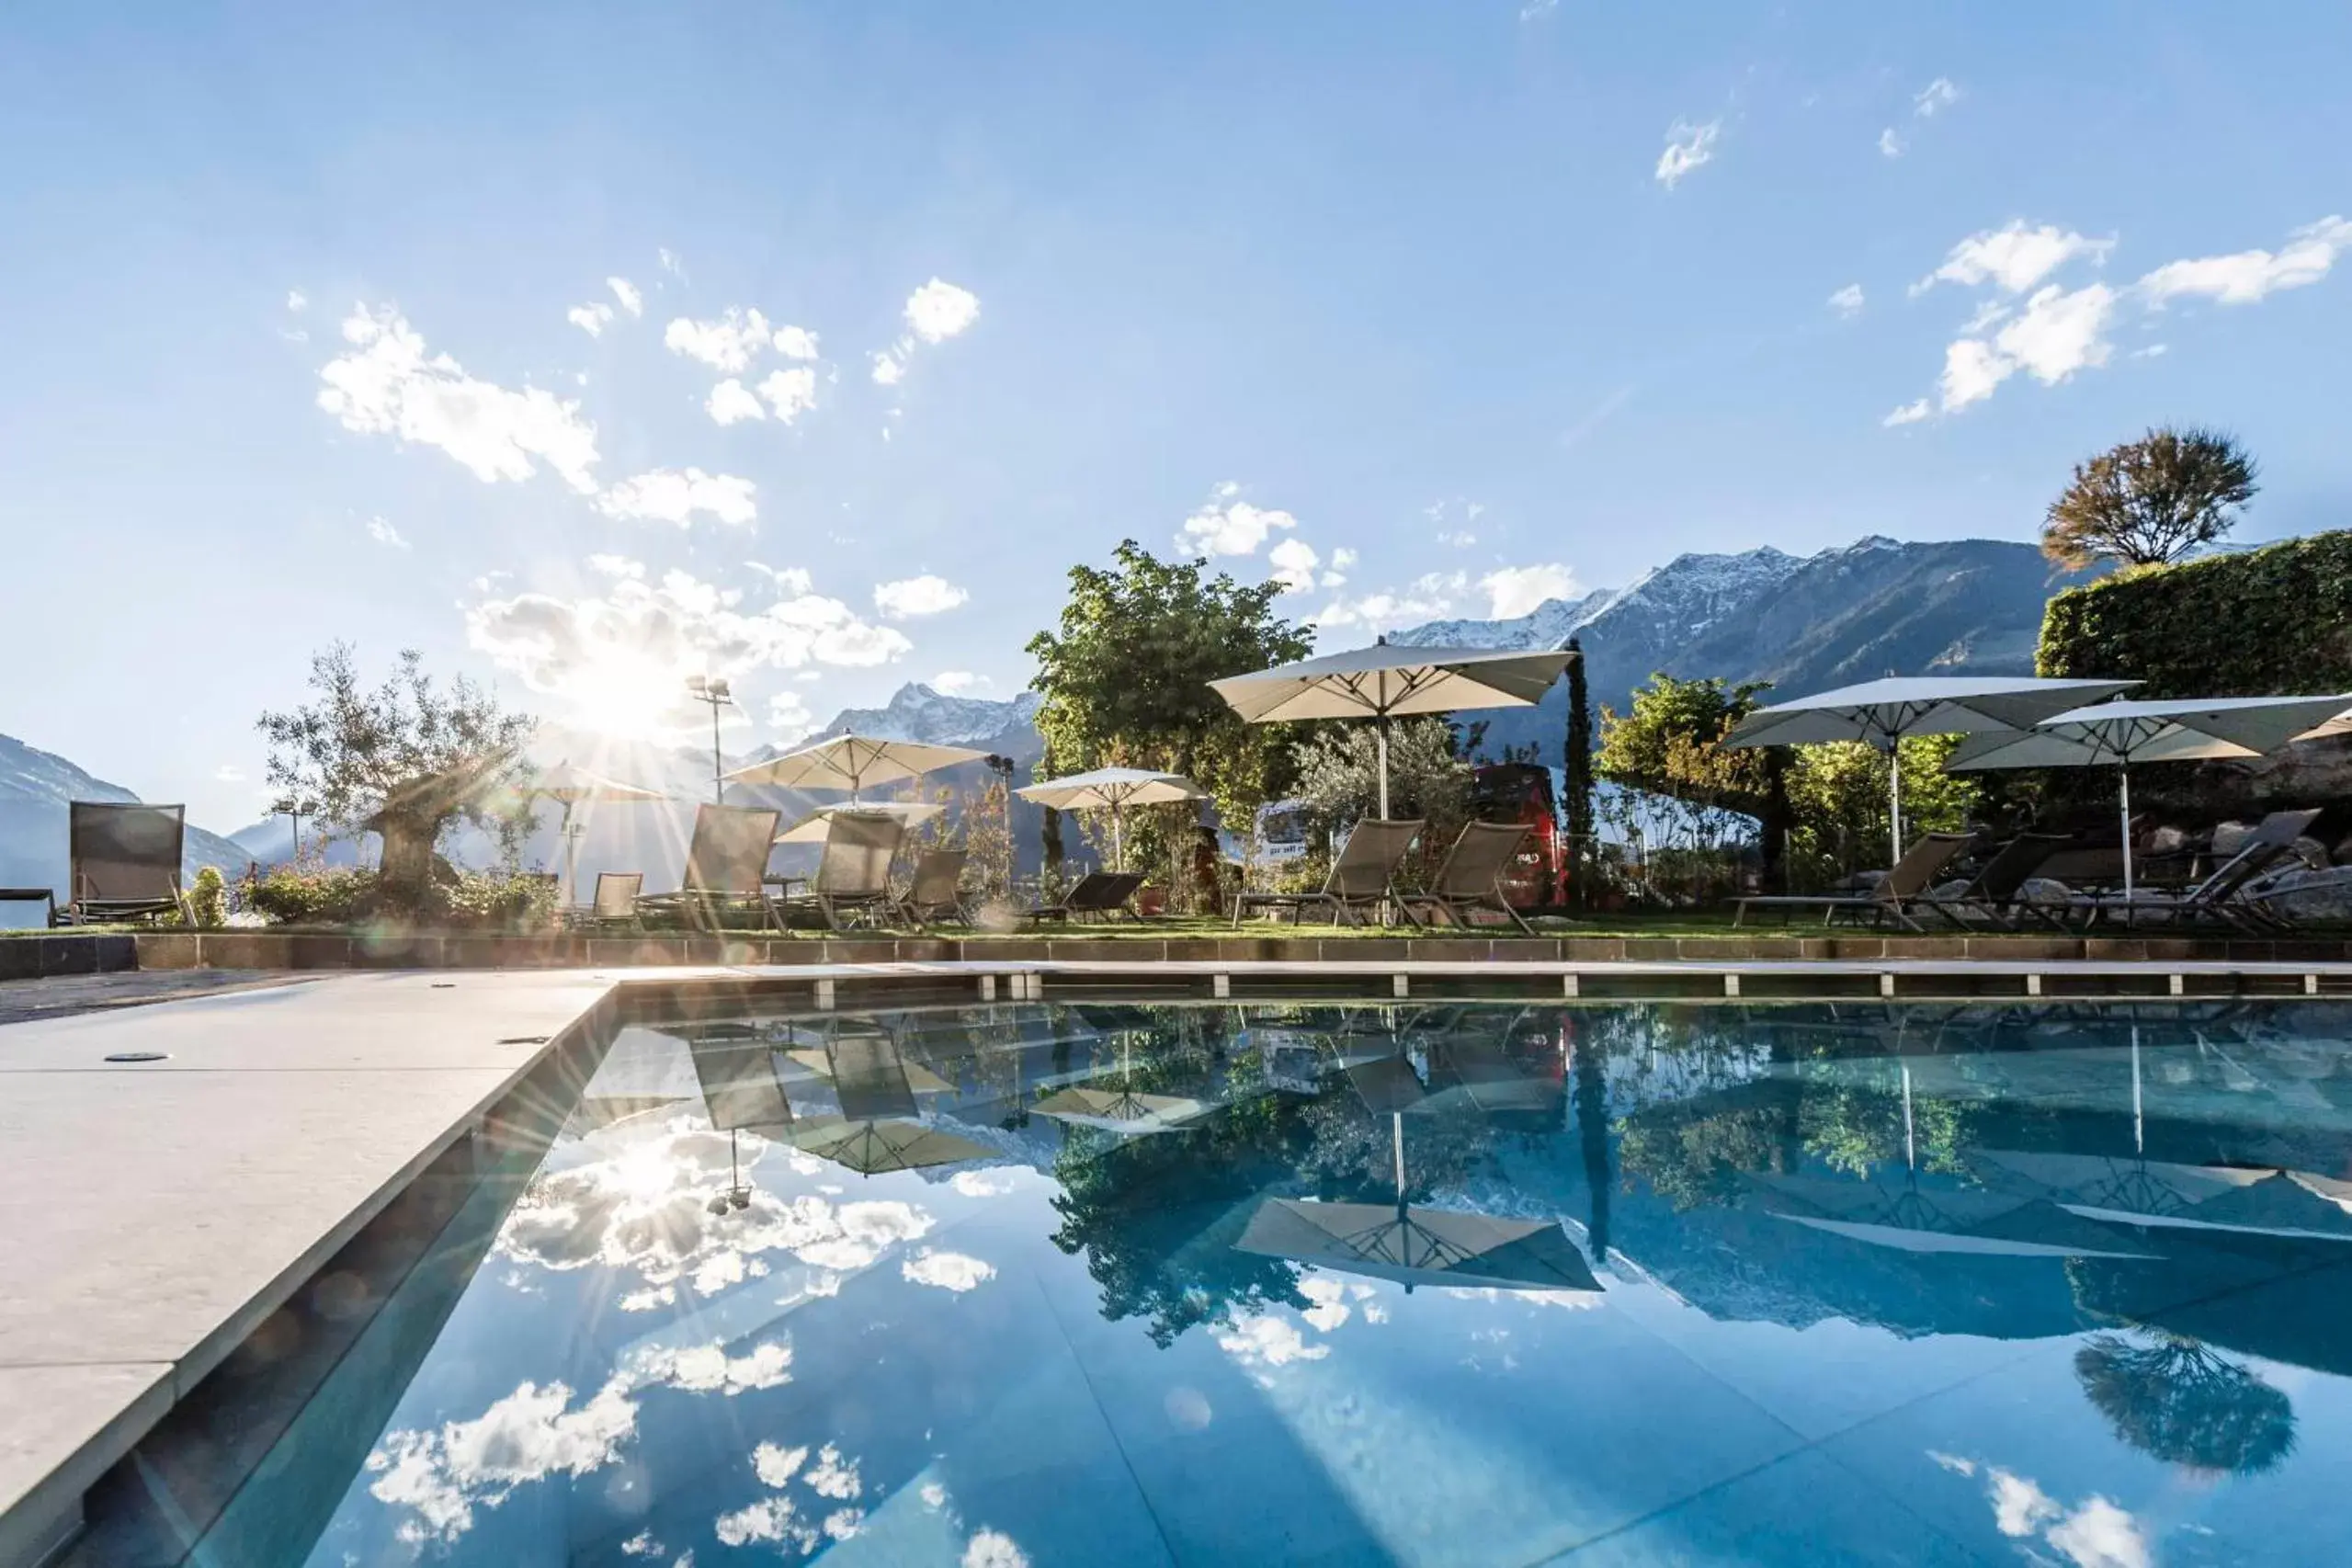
(153,1214)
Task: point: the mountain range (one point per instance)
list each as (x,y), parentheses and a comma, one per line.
(1804,623)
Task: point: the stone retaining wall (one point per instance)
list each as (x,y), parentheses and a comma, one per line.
(282,950)
(37,958)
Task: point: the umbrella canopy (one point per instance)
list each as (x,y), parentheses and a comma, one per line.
(573,785)
(1114,788)
(1420,1246)
(2249,1201)
(887,1144)
(1882,712)
(1382,682)
(2118,734)
(1909,1220)
(853,763)
(1122,1111)
(814,827)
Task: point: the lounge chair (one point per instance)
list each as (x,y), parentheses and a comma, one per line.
(854,874)
(1471,877)
(45,897)
(2221,896)
(1097,896)
(124,862)
(615,902)
(1994,896)
(1902,887)
(937,891)
(1360,877)
(726,863)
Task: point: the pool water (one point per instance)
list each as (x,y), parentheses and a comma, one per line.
(1110,1284)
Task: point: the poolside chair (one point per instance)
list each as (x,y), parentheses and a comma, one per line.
(726,863)
(1097,896)
(937,893)
(2222,896)
(1994,896)
(854,875)
(1471,877)
(1902,887)
(124,862)
(1360,877)
(615,902)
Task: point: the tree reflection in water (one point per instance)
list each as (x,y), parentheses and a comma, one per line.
(2178,1401)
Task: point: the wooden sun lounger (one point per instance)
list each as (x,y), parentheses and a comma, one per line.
(1902,887)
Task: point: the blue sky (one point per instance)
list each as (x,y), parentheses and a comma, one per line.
(1469,302)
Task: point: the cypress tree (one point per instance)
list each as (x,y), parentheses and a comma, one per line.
(1576,778)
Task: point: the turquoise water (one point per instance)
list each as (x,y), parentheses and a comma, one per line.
(1667,1284)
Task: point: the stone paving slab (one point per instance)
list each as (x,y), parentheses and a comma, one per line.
(62,995)
(58,1422)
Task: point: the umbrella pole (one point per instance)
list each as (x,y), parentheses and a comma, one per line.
(1118,840)
(1396,1128)
(1894,793)
(2123,781)
(2139,1131)
(570,859)
(1910,1140)
(1381,744)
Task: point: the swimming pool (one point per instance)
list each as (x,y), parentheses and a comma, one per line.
(1109,1283)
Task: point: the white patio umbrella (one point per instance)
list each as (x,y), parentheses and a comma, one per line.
(1114,788)
(573,785)
(1383,682)
(2163,730)
(1882,712)
(853,763)
(814,827)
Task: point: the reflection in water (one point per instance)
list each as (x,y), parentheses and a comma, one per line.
(1215,1283)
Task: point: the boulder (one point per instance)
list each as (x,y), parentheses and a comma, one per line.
(2308,894)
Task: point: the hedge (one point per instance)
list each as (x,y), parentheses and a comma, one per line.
(2267,622)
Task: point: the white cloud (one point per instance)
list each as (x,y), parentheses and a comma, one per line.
(620,654)
(1848,302)
(385,385)
(1432,595)
(790,581)
(381,531)
(1890,144)
(2100,1535)
(790,717)
(889,368)
(776,1465)
(728,344)
(939,311)
(297,301)
(1935,98)
(911,596)
(2015,258)
(2252,275)
(229,773)
(1688,148)
(1909,414)
(591,318)
(627,293)
(2058,333)
(1226,525)
(1515,591)
(1293,561)
(1343,561)
(994,1548)
(672,263)
(708,1368)
(948,1270)
(529,1435)
(730,402)
(796,343)
(961,683)
(770,1519)
(1268,1341)
(791,392)
(675,495)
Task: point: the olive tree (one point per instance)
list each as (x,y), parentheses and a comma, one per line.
(404,760)
(2150,502)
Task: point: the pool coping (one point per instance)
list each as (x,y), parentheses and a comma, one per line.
(44,1474)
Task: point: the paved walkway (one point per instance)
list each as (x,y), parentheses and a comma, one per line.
(63,995)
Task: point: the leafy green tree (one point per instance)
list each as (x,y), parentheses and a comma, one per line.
(1339,775)
(2173,1398)
(405,760)
(1670,743)
(1576,778)
(2151,502)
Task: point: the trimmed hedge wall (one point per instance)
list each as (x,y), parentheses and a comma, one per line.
(2278,620)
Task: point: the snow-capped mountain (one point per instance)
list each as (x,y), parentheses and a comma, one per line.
(919,713)
(35,785)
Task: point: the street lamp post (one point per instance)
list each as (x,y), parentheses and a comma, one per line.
(716,693)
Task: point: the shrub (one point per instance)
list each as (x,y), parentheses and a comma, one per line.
(310,894)
(501,901)
(208,898)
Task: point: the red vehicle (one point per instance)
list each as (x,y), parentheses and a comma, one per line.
(1521,792)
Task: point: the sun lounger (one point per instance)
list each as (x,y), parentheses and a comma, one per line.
(854,875)
(1902,887)
(1097,896)
(124,862)
(616,901)
(726,863)
(1994,896)
(2220,895)
(1360,877)
(937,893)
(1471,877)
